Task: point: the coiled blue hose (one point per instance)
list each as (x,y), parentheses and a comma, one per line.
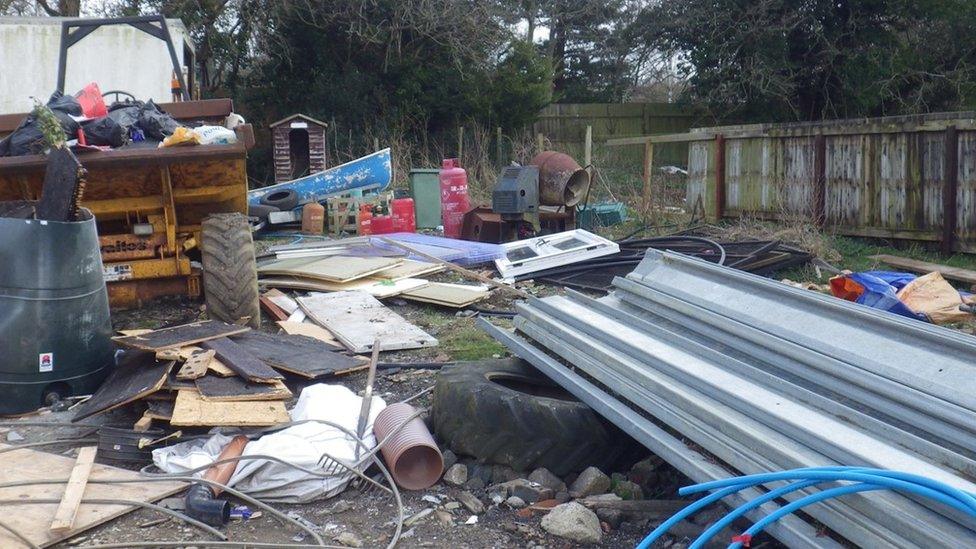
(868,479)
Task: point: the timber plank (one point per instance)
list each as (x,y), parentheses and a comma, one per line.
(192,411)
(137,375)
(242,361)
(357,319)
(196,365)
(297,354)
(447,295)
(378,288)
(160,409)
(332,269)
(924,267)
(24,464)
(181,336)
(408,269)
(234,388)
(64,517)
(310,330)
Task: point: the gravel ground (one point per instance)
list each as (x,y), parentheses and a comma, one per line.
(368,517)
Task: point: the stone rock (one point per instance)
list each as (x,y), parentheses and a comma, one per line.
(457,475)
(481,471)
(515,502)
(349,539)
(628,490)
(528,491)
(471,503)
(452,505)
(562,496)
(450,458)
(590,482)
(503,473)
(444,517)
(574,522)
(417,517)
(644,472)
(613,517)
(14,436)
(475,484)
(546,478)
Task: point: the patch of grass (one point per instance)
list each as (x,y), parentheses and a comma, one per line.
(465,341)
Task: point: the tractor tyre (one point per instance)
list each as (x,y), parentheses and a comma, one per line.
(286,199)
(505,412)
(230,277)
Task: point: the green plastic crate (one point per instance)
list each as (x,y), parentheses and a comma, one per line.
(425,188)
(601,215)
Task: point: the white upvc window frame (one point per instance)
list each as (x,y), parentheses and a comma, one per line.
(553,250)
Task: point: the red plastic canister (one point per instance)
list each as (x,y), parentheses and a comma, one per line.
(454,197)
(403,216)
(382,224)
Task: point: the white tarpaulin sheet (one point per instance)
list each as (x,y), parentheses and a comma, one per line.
(302,445)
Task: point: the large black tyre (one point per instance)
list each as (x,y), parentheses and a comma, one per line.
(505,412)
(230,278)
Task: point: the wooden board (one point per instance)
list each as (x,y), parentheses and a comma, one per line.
(192,411)
(241,361)
(447,295)
(215,366)
(333,269)
(408,269)
(181,336)
(218,389)
(273,310)
(299,355)
(924,267)
(285,302)
(357,319)
(379,289)
(34,520)
(137,375)
(196,365)
(310,330)
(64,517)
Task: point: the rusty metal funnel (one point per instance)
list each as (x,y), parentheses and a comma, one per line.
(412,455)
(562,182)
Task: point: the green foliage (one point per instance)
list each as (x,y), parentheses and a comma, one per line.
(813,59)
(49,125)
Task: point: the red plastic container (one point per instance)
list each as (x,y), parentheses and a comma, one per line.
(92,102)
(382,224)
(454,197)
(365,220)
(404,220)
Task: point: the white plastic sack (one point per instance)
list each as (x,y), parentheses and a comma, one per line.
(302,445)
(215,135)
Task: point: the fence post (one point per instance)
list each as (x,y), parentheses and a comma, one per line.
(588,146)
(950,189)
(460,144)
(719,177)
(498,146)
(648,172)
(540,142)
(820,180)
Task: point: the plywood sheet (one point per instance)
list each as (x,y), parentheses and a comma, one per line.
(193,411)
(448,295)
(332,269)
(379,289)
(297,354)
(34,520)
(408,269)
(234,388)
(309,329)
(196,365)
(180,336)
(136,376)
(357,319)
(242,361)
(215,366)
(924,267)
(285,302)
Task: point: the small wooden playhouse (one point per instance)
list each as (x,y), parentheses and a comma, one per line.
(299,147)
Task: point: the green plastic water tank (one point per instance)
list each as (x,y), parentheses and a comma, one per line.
(425,188)
(55,330)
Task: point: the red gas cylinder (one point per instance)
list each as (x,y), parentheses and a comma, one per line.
(454,197)
(403,216)
(365,219)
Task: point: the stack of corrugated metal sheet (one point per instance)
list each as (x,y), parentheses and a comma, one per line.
(722,373)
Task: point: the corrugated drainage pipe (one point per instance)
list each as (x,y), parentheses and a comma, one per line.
(412,455)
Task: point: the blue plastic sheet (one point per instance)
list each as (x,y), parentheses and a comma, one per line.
(876,289)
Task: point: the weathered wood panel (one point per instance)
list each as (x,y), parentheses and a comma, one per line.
(881,179)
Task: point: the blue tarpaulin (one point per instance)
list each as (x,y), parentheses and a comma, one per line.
(876,289)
